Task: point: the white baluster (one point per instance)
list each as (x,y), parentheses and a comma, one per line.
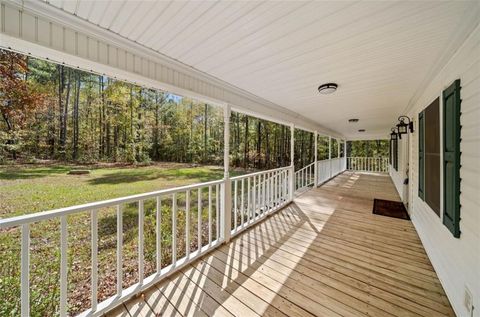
(242,202)
(25,271)
(187,223)
(159,234)
(235,206)
(120,250)
(209,215)
(254,198)
(174,229)
(141,262)
(249,208)
(63,265)
(217,211)
(94,249)
(199,220)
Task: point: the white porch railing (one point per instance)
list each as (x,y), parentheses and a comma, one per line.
(208,193)
(253,197)
(368,164)
(258,194)
(305,176)
(329,168)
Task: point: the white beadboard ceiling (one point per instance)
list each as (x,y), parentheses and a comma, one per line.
(381,54)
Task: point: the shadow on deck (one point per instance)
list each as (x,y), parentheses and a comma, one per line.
(325,254)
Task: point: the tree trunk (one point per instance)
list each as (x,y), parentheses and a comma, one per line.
(10,141)
(205,140)
(259,143)
(101,120)
(61,87)
(245,153)
(76,118)
(63,132)
(155,132)
(267,145)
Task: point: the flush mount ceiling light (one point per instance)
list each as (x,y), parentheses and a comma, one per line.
(352,120)
(326,89)
(361,130)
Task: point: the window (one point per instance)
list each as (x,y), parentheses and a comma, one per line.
(431,153)
(451,158)
(429,187)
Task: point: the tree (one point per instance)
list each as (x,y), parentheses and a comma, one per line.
(19,101)
(85,117)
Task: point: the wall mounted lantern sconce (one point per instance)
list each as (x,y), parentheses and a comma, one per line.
(393,135)
(403,126)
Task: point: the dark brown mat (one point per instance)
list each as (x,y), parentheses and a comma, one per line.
(389,208)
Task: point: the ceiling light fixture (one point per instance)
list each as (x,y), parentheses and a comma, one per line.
(326,89)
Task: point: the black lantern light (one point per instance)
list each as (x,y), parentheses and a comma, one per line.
(393,135)
(403,126)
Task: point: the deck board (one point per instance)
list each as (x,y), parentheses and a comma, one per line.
(325,254)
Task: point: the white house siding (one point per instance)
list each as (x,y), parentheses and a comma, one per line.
(457,261)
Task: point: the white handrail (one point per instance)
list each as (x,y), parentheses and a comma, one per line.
(44,215)
(257,194)
(259,173)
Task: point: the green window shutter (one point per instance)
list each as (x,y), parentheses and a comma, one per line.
(421,155)
(451,158)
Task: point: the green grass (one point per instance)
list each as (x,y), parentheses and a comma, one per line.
(28,190)
(31,189)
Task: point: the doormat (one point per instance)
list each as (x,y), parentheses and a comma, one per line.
(389,208)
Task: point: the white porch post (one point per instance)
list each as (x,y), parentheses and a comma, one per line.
(315,167)
(292,161)
(330,156)
(226,221)
(345,154)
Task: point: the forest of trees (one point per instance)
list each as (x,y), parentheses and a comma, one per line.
(53,112)
(369,148)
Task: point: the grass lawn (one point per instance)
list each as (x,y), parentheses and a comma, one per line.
(27,189)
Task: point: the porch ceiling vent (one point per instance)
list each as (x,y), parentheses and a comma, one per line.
(353,120)
(361,130)
(326,89)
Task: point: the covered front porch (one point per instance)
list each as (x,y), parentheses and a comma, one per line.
(293,233)
(324,254)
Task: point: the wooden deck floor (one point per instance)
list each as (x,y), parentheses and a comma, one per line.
(325,254)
